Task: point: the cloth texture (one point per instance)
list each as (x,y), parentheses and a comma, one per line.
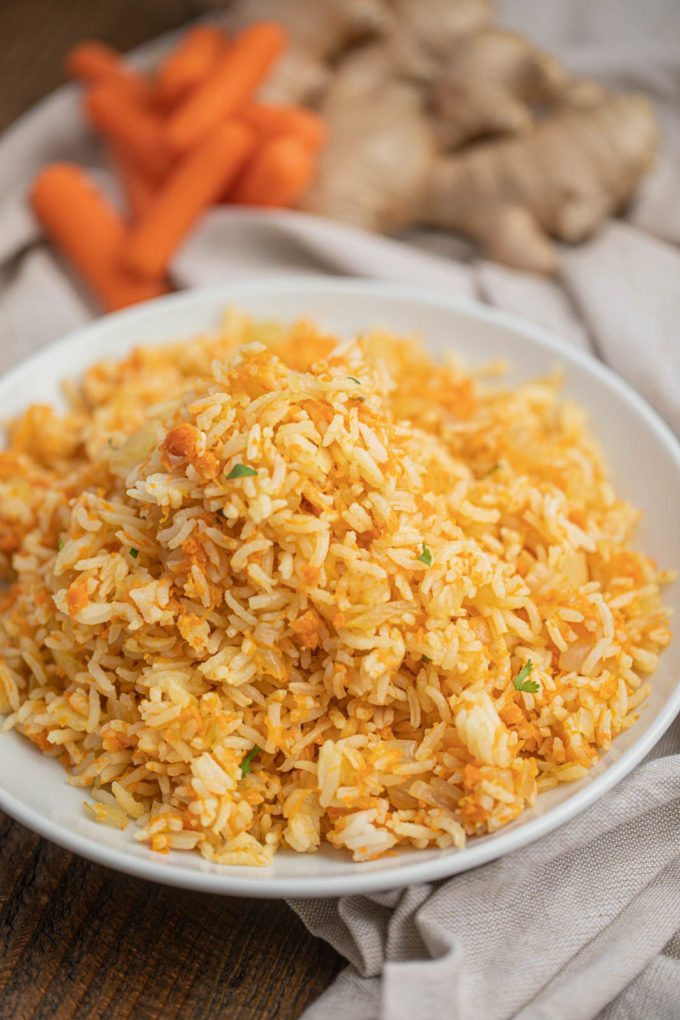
(586,921)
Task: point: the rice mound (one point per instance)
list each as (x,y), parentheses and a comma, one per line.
(266,589)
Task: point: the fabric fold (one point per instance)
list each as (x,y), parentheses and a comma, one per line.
(553,930)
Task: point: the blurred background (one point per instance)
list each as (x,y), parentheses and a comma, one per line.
(586,91)
(37,33)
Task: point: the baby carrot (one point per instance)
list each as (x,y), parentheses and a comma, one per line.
(92,61)
(280,171)
(137,188)
(304,124)
(82,224)
(236,76)
(196,183)
(189,63)
(114,112)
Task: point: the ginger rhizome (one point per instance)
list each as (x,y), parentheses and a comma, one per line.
(436,116)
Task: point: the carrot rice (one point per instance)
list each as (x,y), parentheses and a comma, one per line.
(269,589)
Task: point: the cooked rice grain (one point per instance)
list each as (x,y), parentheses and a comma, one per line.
(354,613)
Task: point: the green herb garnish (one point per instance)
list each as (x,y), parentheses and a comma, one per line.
(491,471)
(425,658)
(134,553)
(60,546)
(522,681)
(245,764)
(221,516)
(426,556)
(241,471)
(353,379)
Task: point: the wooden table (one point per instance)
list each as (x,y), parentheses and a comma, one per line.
(77,940)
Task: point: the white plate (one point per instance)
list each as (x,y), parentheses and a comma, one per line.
(645,462)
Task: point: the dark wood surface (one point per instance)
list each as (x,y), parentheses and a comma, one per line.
(77,940)
(35,35)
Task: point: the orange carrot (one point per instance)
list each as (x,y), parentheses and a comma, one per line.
(92,61)
(138,190)
(189,63)
(83,225)
(280,171)
(194,185)
(128,123)
(304,124)
(225,90)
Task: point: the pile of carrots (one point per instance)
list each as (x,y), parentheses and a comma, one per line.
(180,141)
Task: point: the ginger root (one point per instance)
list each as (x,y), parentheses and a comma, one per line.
(438,117)
(562,179)
(423,32)
(318,31)
(489,84)
(369,177)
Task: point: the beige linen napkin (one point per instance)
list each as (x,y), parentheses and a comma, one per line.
(585,922)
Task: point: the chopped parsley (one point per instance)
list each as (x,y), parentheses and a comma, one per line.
(241,471)
(522,681)
(425,658)
(245,764)
(134,553)
(221,516)
(354,379)
(426,556)
(492,470)
(60,546)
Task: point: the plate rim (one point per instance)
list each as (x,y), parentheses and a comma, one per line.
(235,881)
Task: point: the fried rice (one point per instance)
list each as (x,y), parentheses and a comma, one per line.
(268,589)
